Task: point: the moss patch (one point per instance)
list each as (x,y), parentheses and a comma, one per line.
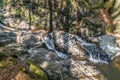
(37,72)
(11,67)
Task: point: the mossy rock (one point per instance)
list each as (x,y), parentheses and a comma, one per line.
(13,73)
(20,71)
(4,64)
(37,72)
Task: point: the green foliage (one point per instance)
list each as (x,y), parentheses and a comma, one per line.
(64,14)
(22,69)
(107,5)
(5,2)
(109,29)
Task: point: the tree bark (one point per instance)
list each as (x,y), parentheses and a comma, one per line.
(105,16)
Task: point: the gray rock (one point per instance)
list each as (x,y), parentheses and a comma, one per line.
(64,43)
(29,39)
(58,68)
(21,34)
(67,43)
(109,46)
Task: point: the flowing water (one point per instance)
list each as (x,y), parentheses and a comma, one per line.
(111,70)
(50,45)
(93,50)
(95,53)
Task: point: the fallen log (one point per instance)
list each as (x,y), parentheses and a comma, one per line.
(5,27)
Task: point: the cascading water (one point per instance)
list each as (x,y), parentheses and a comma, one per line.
(94,52)
(50,45)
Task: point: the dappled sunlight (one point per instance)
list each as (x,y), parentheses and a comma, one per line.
(59,40)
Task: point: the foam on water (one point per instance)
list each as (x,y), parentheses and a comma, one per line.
(94,55)
(50,45)
(92,50)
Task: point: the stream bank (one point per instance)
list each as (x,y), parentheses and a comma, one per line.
(63,56)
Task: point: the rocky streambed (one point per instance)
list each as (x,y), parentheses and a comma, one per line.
(55,56)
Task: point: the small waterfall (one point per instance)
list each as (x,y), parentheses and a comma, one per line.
(50,45)
(94,52)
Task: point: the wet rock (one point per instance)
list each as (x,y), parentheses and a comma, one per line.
(66,43)
(39,53)
(116,66)
(82,70)
(109,46)
(50,45)
(58,69)
(29,39)
(95,54)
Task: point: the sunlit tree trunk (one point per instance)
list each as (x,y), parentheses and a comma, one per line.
(105,16)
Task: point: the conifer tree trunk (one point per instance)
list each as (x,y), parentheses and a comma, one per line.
(50,14)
